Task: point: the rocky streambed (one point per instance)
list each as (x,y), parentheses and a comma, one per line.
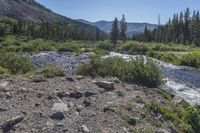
(179,80)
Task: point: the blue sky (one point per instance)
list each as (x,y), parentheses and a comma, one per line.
(134,10)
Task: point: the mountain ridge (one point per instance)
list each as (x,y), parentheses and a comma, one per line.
(133,27)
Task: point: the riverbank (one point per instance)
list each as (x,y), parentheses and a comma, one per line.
(79,104)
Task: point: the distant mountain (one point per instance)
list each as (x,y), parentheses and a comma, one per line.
(133,28)
(32,11)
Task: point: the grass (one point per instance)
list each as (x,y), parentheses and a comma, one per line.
(136,71)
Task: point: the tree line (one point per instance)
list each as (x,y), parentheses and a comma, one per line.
(58,31)
(119,30)
(181,28)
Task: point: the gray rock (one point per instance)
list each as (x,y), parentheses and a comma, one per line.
(8,125)
(85,129)
(106,85)
(3,109)
(132,121)
(58,115)
(76,94)
(62,94)
(87,102)
(60,107)
(70,79)
(88,94)
(178,100)
(59,110)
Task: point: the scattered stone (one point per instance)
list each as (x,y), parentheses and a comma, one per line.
(8,95)
(76,94)
(79,108)
(85,129)
(132,121)
(62,94)
(59,110)
(106,85)
(3,109)
(88,94)
(4,84)
(70,79)
(107,108)
(79,77)
(8,125)
(116,80)
(87,102)
(120,94)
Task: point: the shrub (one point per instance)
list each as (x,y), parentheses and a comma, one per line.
(136,71)
(50,71)
(67,47)
(2,70)
(135,48)
(167,57)
(14,63)
(191,59)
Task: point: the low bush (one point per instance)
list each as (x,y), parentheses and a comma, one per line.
(50,71)
(136,71)
(191,59)
(166,56)
(184,118)
(3,70)
(15,64)
(134,48)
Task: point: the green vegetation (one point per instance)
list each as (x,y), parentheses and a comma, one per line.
(14,64)
(58,30)
(191,59)
(182,28)
(50,71)
(183,117)
(136,71)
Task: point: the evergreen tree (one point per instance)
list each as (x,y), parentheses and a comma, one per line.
(115,31)
(123,28)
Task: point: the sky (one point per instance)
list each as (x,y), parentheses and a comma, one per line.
(134,10)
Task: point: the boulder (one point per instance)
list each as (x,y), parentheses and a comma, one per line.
(109,86)
(8,125)
(132,121)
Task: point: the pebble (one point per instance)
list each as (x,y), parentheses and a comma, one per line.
(85,129)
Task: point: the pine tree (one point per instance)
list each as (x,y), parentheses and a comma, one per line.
(123,28)
(115,31)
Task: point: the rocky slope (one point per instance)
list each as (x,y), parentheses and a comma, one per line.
(78,104)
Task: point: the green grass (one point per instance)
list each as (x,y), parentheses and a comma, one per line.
(136,71)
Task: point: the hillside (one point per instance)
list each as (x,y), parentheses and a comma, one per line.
(133,28)
(32,11)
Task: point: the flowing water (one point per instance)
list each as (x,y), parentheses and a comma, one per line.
(179,80)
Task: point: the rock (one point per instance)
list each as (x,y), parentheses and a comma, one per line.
(107,108)
(116,80)
(8,125)
(87,102)
(178,100)
(120,94)
(79,108)
(132,121)
(88,94)
(106,85)
(59,110)
(79,77)
(60,107)
(76,94)
(62,94)
(58,115)
(3,109)
(4,84)
(85,129)
(70,79)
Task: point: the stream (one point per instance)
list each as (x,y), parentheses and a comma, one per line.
(180,81)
